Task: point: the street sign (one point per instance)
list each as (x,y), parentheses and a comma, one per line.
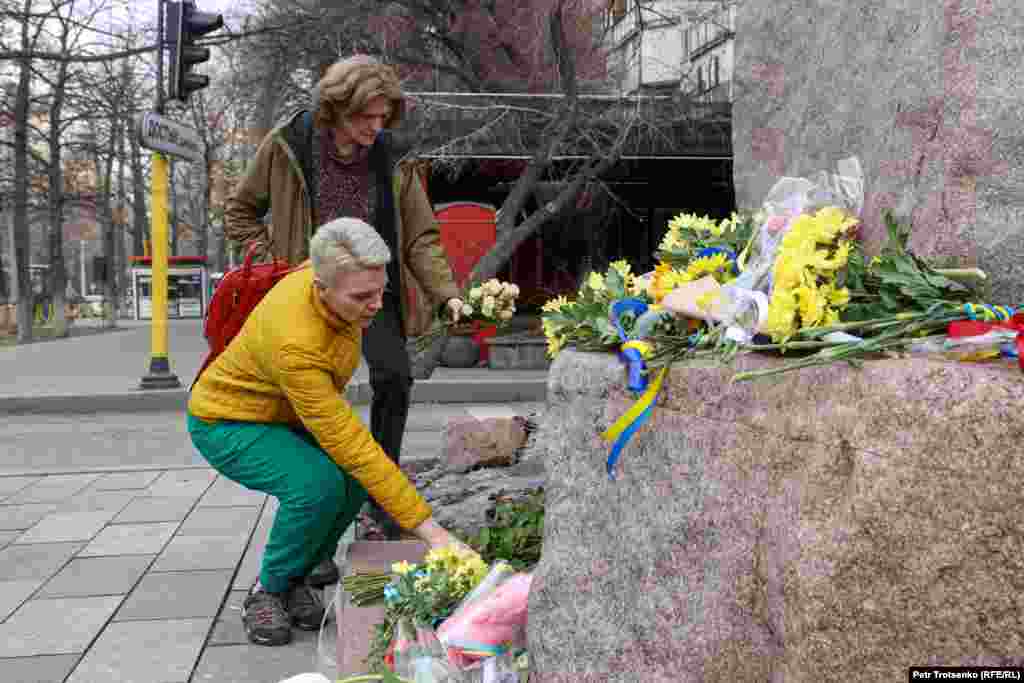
(164,135)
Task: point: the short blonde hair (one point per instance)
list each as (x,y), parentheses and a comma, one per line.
(346,244)
(348,85)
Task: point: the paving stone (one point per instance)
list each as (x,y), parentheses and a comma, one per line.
(131,539)
(43,669)
(226,493)
(155,509)
(11,485)
(13,593)
(25,515)
(220,521)
(90,500)
(240,663)
(187,483)
(144,651)
(228,629)
(176,595)
(188,553)
(8,536)
(119,481)
(38,561)
(52,489)
(66,527)
(91,576)
(249,569)
(53,627)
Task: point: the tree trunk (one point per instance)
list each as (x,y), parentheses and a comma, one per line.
(140,222)
(104,172)
(58,271)
(20,233)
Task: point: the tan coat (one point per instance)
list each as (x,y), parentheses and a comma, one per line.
(289,365)
(274,182)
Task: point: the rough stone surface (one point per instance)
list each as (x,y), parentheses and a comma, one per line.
(794,529)
(492,442)
(929,95)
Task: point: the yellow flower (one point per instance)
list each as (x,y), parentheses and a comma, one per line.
(555,345)
(812,306)
(402,568)
(666,278)
(555,305)
(717,265)
(839,297)
(782,309)
(833,222)
(622,267)
(596,281)
(671,241)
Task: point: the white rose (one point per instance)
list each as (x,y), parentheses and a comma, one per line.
(505,315)
(514,289)
(490,301)
(467,310)
(475,294)
(492,287)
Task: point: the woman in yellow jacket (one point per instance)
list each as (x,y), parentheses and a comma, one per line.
(268,413)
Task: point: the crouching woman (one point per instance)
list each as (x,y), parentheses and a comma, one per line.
(268,413)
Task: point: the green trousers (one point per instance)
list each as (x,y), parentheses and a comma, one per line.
(317,500)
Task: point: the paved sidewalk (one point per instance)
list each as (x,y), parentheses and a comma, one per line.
(101,372)
(137,575)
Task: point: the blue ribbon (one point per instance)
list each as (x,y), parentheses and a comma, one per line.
(636,376)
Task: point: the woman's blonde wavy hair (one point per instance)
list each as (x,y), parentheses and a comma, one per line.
(348,86)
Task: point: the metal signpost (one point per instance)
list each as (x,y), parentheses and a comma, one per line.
(162,135)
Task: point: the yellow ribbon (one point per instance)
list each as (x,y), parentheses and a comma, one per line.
(641,404)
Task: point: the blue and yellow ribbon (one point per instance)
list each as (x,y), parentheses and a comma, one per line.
(633,353)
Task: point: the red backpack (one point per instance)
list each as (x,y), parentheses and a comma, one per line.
(235,297)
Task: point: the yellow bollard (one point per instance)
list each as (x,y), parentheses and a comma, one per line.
(160,375)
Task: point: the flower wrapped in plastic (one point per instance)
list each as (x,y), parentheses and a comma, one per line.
(491,620)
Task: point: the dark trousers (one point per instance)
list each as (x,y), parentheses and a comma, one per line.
(384,346)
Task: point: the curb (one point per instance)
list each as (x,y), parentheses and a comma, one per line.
(359,393)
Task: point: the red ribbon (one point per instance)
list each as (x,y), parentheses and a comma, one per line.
(975,328)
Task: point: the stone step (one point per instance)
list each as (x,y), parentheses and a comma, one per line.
(356,624)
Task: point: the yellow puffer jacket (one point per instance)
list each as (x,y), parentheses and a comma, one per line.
(289,364)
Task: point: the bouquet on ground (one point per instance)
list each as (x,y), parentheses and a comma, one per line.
(490,303)
(418,595)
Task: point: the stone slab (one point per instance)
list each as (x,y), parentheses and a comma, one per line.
(226,493)
(43,669)
(91,576)
(66,527)
(155,509)
(25,515)
(7,536)
(119,481)
(228,629)
(11,485)
(237,663)
(91,500)
(14,593)
(186,483)
(131,539)
(484,412)
(190,553)
(35,561)
(356,624)
(220,521)
(133,652)
(249,569)
(176,595)
(51,627)
(52,489)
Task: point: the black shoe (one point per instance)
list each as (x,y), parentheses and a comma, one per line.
(305,606)
(323,574)
(265,619)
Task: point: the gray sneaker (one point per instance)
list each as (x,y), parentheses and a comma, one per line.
(305,606)
(324,574)
(265,618)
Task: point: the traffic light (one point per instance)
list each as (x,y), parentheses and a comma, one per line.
(184,25)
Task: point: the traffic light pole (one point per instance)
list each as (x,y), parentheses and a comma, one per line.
(160,375)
